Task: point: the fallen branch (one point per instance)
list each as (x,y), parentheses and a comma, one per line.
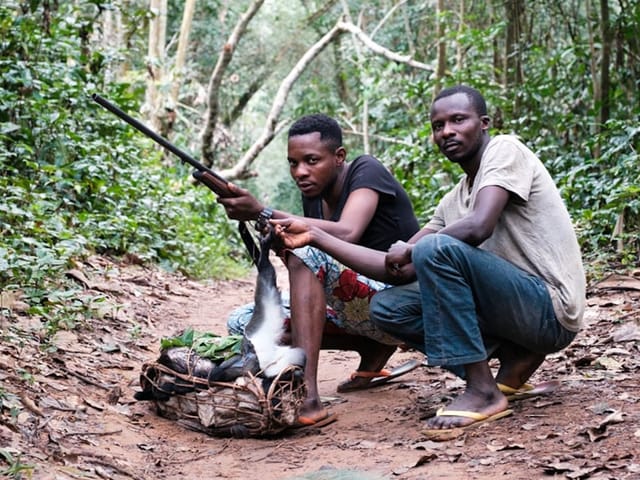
(106,461)
(88,380)
(100,434)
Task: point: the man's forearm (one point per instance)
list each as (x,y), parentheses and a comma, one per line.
(336,229)
(366,261)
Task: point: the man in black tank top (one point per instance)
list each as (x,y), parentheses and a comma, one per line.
(359,202)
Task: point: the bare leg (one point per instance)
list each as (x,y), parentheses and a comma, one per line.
(373,356)
(481,396)
(308,316)
(517,364)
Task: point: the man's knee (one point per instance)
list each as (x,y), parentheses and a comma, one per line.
(381,309)
(297,269)
(431,246)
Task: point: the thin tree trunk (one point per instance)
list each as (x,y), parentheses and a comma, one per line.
(208,144)
(407,28)
(181,53)
(593,53)
(513,47)
(461,26)
(155,60)
(605,28)
(498,63)
(121,40)
(442,48)
(593,66)
(365,96)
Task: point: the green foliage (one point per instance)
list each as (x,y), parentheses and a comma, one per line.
(596,167)
(15,469)
(204,344)
(603,189)
(76,180)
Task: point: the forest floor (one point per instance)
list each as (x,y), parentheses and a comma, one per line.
(69,412)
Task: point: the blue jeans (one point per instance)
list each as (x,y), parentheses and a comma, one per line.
(465,303)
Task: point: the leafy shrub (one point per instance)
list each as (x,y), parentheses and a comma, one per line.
(74,179)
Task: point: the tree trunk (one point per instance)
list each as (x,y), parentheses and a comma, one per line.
(108,39)
(605,28)
(211,120)
(594,54)
(365,94)
(461,26)
(121,40)
(513,48)
(155,61)
(442,48)
(111,38)
(181,54)
(593,66)
(498,62)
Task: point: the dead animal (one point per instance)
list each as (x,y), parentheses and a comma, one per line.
(262,355)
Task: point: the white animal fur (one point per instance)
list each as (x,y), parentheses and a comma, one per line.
(273,357)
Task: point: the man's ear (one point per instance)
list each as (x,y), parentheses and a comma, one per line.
(341,155)
(486,120)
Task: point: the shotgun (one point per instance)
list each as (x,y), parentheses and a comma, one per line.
(203,174)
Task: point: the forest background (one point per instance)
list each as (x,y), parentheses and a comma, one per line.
(223,79)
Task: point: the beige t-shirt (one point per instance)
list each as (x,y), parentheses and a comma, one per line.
(534,231)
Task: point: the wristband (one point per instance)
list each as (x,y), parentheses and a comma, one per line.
(264,216)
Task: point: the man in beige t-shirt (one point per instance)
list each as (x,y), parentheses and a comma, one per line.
(498,267)
(499,270)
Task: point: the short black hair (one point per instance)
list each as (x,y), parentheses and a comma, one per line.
(330,131)
(476,98)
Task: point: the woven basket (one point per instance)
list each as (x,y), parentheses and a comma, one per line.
(248,407)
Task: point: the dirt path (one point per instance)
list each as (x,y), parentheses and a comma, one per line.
(71,414)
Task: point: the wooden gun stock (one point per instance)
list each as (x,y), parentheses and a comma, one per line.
(204,175)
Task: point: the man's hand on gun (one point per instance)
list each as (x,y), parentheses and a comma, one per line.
(242,205)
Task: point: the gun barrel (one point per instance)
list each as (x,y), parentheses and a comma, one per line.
(154,136)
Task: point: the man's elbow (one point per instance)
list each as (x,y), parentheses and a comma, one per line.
(348,235)
(479,234)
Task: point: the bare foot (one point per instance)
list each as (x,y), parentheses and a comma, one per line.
(373,358)
(517,364)
(312,411)
(482,402)
(481,396)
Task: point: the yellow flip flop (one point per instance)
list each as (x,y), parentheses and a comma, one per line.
(444,434)
(528,390)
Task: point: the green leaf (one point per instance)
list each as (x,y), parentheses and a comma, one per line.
(8,127)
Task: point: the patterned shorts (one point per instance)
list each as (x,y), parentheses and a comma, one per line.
(347,292)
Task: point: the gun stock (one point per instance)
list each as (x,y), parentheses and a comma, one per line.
(204,175)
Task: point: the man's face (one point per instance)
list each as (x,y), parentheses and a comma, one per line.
(313,165)
(458,129)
